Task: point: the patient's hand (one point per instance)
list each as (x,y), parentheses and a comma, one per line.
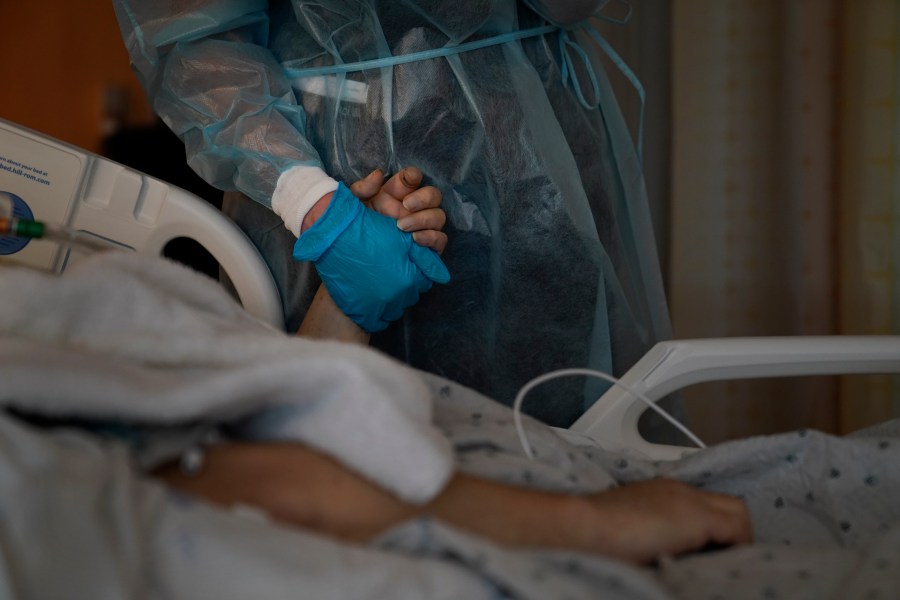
(636,523)
(641,522)
(417,209)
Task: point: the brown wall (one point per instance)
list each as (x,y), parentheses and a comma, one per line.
(59,59)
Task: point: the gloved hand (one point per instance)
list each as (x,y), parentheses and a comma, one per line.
(373,270)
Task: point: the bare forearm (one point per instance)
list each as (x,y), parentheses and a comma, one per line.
(302,487)
(509,515)
(325,321)
(292,484)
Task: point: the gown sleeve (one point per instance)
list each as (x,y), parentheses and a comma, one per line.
(207,71)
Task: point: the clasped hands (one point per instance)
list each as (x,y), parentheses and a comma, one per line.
(376,247)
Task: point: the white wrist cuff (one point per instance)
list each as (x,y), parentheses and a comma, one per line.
(297,190)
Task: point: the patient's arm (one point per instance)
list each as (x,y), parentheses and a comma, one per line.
(325,321)
(300,487)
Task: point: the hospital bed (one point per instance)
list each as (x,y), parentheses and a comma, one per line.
(57,183)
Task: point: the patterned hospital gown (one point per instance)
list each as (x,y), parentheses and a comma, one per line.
(825,511)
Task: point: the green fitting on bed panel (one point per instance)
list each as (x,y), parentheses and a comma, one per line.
(30,229)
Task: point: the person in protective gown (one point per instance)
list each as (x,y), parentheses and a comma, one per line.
(551,250)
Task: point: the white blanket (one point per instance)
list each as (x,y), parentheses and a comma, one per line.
(145,340)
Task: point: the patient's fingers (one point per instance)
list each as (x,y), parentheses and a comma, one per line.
(389,200)
(436,240)
(368,186)
(723,519)
(733,525)
(423,198)
(720,520)
(403,182)
(660,517)
(429,218)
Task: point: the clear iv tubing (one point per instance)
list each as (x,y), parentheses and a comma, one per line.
(520,398)
(10,225)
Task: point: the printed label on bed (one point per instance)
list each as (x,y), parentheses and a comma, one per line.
(44,175)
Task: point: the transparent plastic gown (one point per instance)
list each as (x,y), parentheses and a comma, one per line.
(551,251)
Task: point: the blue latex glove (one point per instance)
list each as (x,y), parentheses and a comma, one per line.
(373,270)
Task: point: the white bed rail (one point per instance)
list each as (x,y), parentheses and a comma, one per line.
(670,366)
(145,214)
(61,184)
